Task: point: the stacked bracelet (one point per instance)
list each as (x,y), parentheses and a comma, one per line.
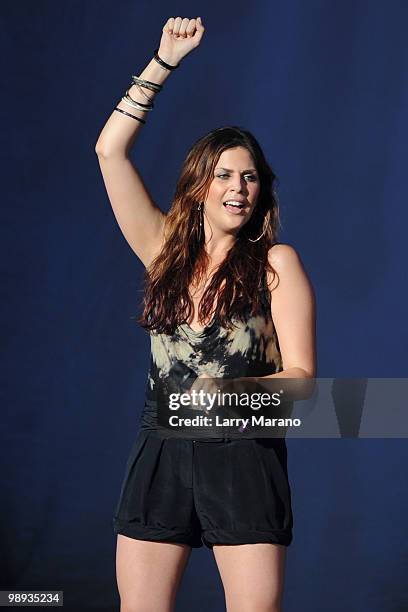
(143,84)
(138,105)
(147,84)
(142,92)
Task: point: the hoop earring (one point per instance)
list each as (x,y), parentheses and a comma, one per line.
(200,224)
(264,228)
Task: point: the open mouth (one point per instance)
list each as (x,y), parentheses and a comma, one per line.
(233,206)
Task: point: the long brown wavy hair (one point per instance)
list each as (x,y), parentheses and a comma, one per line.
(183,259)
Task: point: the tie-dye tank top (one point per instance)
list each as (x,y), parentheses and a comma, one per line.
(250,348)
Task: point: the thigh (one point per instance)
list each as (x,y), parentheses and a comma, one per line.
(148,573)
(252,576)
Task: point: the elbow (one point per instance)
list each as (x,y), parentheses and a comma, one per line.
(104,153)
(100,151)
(310,373)
(301,371)
(307,372)
(309,369)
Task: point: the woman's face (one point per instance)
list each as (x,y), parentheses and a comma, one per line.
(236,181)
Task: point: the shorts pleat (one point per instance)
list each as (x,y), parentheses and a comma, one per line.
(205,492)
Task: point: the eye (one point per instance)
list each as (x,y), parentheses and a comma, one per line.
(252,177)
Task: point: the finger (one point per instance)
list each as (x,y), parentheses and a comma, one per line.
(177,24)
(183,27)
(199,30)
(168,26)
(191,27)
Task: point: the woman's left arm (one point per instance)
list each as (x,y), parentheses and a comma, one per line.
(293,308)
(293,312)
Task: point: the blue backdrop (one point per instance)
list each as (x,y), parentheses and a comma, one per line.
(323,87)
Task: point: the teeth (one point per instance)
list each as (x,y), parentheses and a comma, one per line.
(234,203)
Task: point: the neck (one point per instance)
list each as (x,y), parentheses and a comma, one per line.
(218,245)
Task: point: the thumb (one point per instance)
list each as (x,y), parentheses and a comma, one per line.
(199,30)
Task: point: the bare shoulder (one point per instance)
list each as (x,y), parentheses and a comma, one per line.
(283,256)
(293,310)
(286,262)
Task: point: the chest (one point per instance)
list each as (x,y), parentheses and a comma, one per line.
(196,294)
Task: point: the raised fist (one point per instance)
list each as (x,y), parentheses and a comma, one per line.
(180,36)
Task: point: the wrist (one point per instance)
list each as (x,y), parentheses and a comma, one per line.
(168,58)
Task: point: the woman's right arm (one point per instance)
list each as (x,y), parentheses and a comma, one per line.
(139,218)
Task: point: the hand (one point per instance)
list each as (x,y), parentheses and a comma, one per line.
(216,387)
(205,383)
(180,36)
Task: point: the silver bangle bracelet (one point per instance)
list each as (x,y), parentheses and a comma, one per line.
(135,104)
(147,84)
(142,92)
(146,106)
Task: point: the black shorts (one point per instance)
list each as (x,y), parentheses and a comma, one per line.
(210,491)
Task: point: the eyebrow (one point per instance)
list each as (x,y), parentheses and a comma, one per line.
(228,169)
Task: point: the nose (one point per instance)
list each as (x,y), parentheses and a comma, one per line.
(236,183)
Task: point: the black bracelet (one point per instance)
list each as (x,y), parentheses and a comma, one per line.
(146,106)
(129,115)
(162,63)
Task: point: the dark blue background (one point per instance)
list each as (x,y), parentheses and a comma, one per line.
(323,86)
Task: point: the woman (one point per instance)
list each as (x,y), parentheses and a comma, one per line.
(214,277)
